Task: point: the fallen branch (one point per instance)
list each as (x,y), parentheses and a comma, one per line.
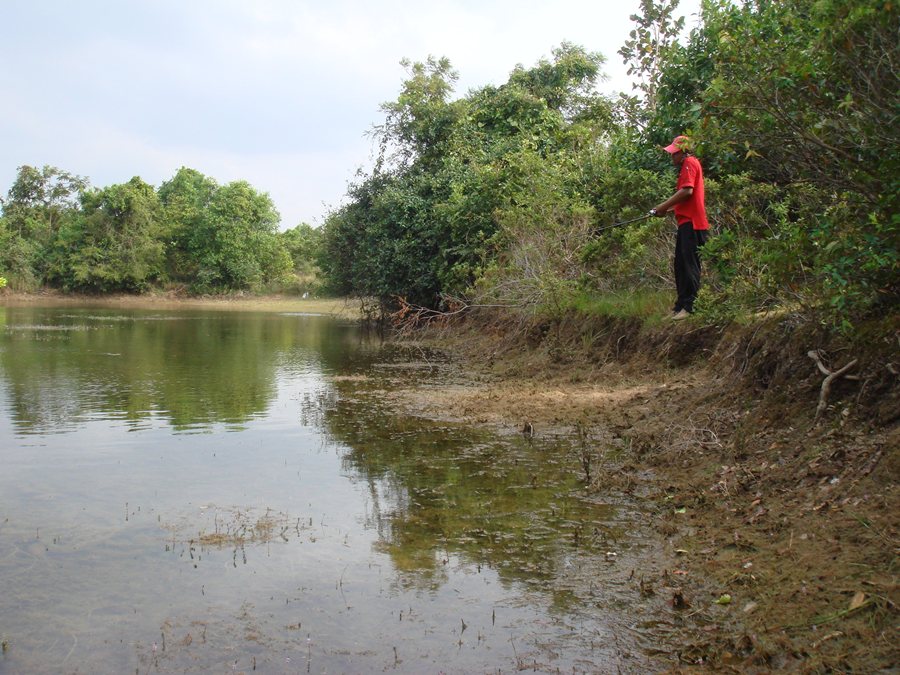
(830,377)
(409,317)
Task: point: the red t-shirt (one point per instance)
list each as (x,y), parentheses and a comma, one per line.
(694,209)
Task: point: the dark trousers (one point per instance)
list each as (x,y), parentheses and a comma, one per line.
(687,265)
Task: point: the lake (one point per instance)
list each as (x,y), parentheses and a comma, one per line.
(205,491)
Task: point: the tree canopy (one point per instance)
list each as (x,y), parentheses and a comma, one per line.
(191,232)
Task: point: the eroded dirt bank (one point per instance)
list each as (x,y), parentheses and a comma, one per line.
(773,483)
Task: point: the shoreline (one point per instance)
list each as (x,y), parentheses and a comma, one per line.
(239,302)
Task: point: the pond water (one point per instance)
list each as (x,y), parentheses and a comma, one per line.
(202,491)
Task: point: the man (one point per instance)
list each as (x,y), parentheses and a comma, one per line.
(689,206)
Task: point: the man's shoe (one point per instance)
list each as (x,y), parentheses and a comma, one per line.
(683,314)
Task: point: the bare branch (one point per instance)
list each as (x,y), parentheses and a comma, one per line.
(816,355)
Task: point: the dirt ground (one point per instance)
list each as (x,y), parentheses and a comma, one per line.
(776,495)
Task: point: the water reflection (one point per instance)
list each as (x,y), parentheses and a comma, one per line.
(442,491)
(192,370)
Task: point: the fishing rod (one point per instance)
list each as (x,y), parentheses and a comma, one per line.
(649,214)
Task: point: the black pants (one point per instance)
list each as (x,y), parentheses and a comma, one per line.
(687,265)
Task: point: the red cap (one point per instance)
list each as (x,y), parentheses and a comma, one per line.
(679,144)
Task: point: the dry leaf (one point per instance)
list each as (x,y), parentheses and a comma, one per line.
(857,601)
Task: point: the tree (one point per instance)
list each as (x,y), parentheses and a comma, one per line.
(233,245)
(649,45)
(221,237)
(426,225)
(114,244)
(39,202)
(303,243)
(185,200)
(383,243)
(810,88)
(567,83)
(418,124)
(663,104)
(805,95)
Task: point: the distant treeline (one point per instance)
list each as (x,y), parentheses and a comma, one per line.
(191,233)
(492,198)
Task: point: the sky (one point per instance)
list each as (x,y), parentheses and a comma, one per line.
(280,93)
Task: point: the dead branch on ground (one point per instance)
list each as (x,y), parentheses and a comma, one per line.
(409,318)
(830,376)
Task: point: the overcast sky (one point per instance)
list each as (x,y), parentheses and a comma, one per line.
(279,93)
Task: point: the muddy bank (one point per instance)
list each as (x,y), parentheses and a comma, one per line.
(769,453)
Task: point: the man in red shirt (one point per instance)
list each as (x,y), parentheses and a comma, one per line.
(689,206)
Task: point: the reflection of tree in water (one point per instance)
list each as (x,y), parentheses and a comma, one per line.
(192,369)
(444,494)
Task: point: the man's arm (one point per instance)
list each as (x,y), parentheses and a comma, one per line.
(681,196)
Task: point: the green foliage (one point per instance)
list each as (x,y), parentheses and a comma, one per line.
(113,244)
(39,200)
(419,122)
(21,258)
(303,243)
(383,243)
(541,232)
(39,203)
(823,81)
(235,246)
(128,237)
(456,177)
(804,97)
(565,84)
(222,238)
(650,45)
(185,200)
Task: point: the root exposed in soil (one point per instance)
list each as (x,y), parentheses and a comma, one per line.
(776,493)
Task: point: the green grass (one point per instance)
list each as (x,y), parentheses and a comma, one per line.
(641,304)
